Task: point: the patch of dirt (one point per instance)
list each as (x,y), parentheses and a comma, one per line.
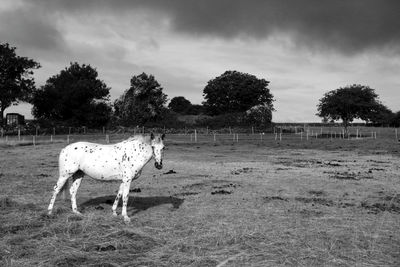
(316,200)
(268,199)
(242,170)
(221,192)
(348,175)
(135,190)
(317,192)
(311,213)
(374,205)
(231,185)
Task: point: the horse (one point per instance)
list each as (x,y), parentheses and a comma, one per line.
(121,161)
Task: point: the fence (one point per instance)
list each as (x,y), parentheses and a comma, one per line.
(231,135)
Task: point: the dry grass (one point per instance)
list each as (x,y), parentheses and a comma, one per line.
(222,205)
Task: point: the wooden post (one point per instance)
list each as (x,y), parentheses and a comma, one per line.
(54,131)
(252,130)
(33,141)
(237,138)
(107,139)
(307,135)
(19,134)
(195,135)
(67,139)
(36,133)
(51,138)
(215,139)
(280,136)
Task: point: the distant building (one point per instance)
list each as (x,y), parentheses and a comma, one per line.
(15,119)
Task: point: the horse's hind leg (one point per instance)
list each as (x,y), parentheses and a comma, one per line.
(60,184)
(77,177)
(115,205)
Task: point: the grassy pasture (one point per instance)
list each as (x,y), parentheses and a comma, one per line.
(317,203)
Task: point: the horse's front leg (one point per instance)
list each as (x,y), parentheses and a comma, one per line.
(125,194)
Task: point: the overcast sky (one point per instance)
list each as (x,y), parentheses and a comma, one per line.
(303,47)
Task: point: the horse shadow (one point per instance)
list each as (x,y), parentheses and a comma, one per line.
(137,203)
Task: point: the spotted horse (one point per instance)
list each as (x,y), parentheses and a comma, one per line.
(121,161)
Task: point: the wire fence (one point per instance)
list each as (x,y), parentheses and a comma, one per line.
(231,135)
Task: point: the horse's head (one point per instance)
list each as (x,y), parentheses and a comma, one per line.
(157,145)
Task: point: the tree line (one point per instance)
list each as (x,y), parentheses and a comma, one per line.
(76,96)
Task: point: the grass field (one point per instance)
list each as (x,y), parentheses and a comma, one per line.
(318,203)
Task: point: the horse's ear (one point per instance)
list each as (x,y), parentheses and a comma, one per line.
(151,136)
(162,136)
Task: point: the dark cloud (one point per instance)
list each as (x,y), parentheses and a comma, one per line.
(348,26)
(29,30)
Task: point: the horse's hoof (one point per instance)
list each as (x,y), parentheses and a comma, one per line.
(127,219)
(49,212)
(77,212)
(115,214)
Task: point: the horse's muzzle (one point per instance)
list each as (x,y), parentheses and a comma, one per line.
(158,165)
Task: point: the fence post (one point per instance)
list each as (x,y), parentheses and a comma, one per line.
(107,139)
(237,138)
(19,134)
(214,137)
(280,136)
(51,138)
(195,135)
(67,139)
(33,141)
(54,131)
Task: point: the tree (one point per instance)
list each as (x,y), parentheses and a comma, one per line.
(234,91)
(260,114)
(143,102)
(349,103)
(16,83)
(179,104)
(75,96)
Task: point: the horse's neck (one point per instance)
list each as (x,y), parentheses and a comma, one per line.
(147,151)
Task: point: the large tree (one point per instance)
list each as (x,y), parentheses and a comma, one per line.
(75,96)
(143,102)
(179,104)
(16,83)
(234,92)
(349,103)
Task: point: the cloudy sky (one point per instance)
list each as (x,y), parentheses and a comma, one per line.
(303,47)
